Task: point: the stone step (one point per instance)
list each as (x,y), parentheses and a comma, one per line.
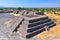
(39,19)
(52,25)
(44,24)
(38,23)
(39,27)
(35,33)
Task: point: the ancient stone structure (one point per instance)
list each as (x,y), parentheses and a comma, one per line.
(30,25)
(33,25)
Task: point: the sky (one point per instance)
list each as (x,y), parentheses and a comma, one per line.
(30,3)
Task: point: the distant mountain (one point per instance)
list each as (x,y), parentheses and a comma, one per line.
(2,7)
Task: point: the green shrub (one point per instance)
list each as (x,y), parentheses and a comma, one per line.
(54,20)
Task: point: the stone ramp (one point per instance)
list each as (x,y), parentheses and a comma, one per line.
(16,24)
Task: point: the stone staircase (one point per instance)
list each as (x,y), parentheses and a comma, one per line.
(16,24)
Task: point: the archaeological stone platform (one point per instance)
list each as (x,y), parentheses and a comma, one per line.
(31,25)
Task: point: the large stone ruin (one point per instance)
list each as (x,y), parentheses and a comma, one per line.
(31,24)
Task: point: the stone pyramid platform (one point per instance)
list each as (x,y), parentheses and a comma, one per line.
(29,25)
(34,24)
